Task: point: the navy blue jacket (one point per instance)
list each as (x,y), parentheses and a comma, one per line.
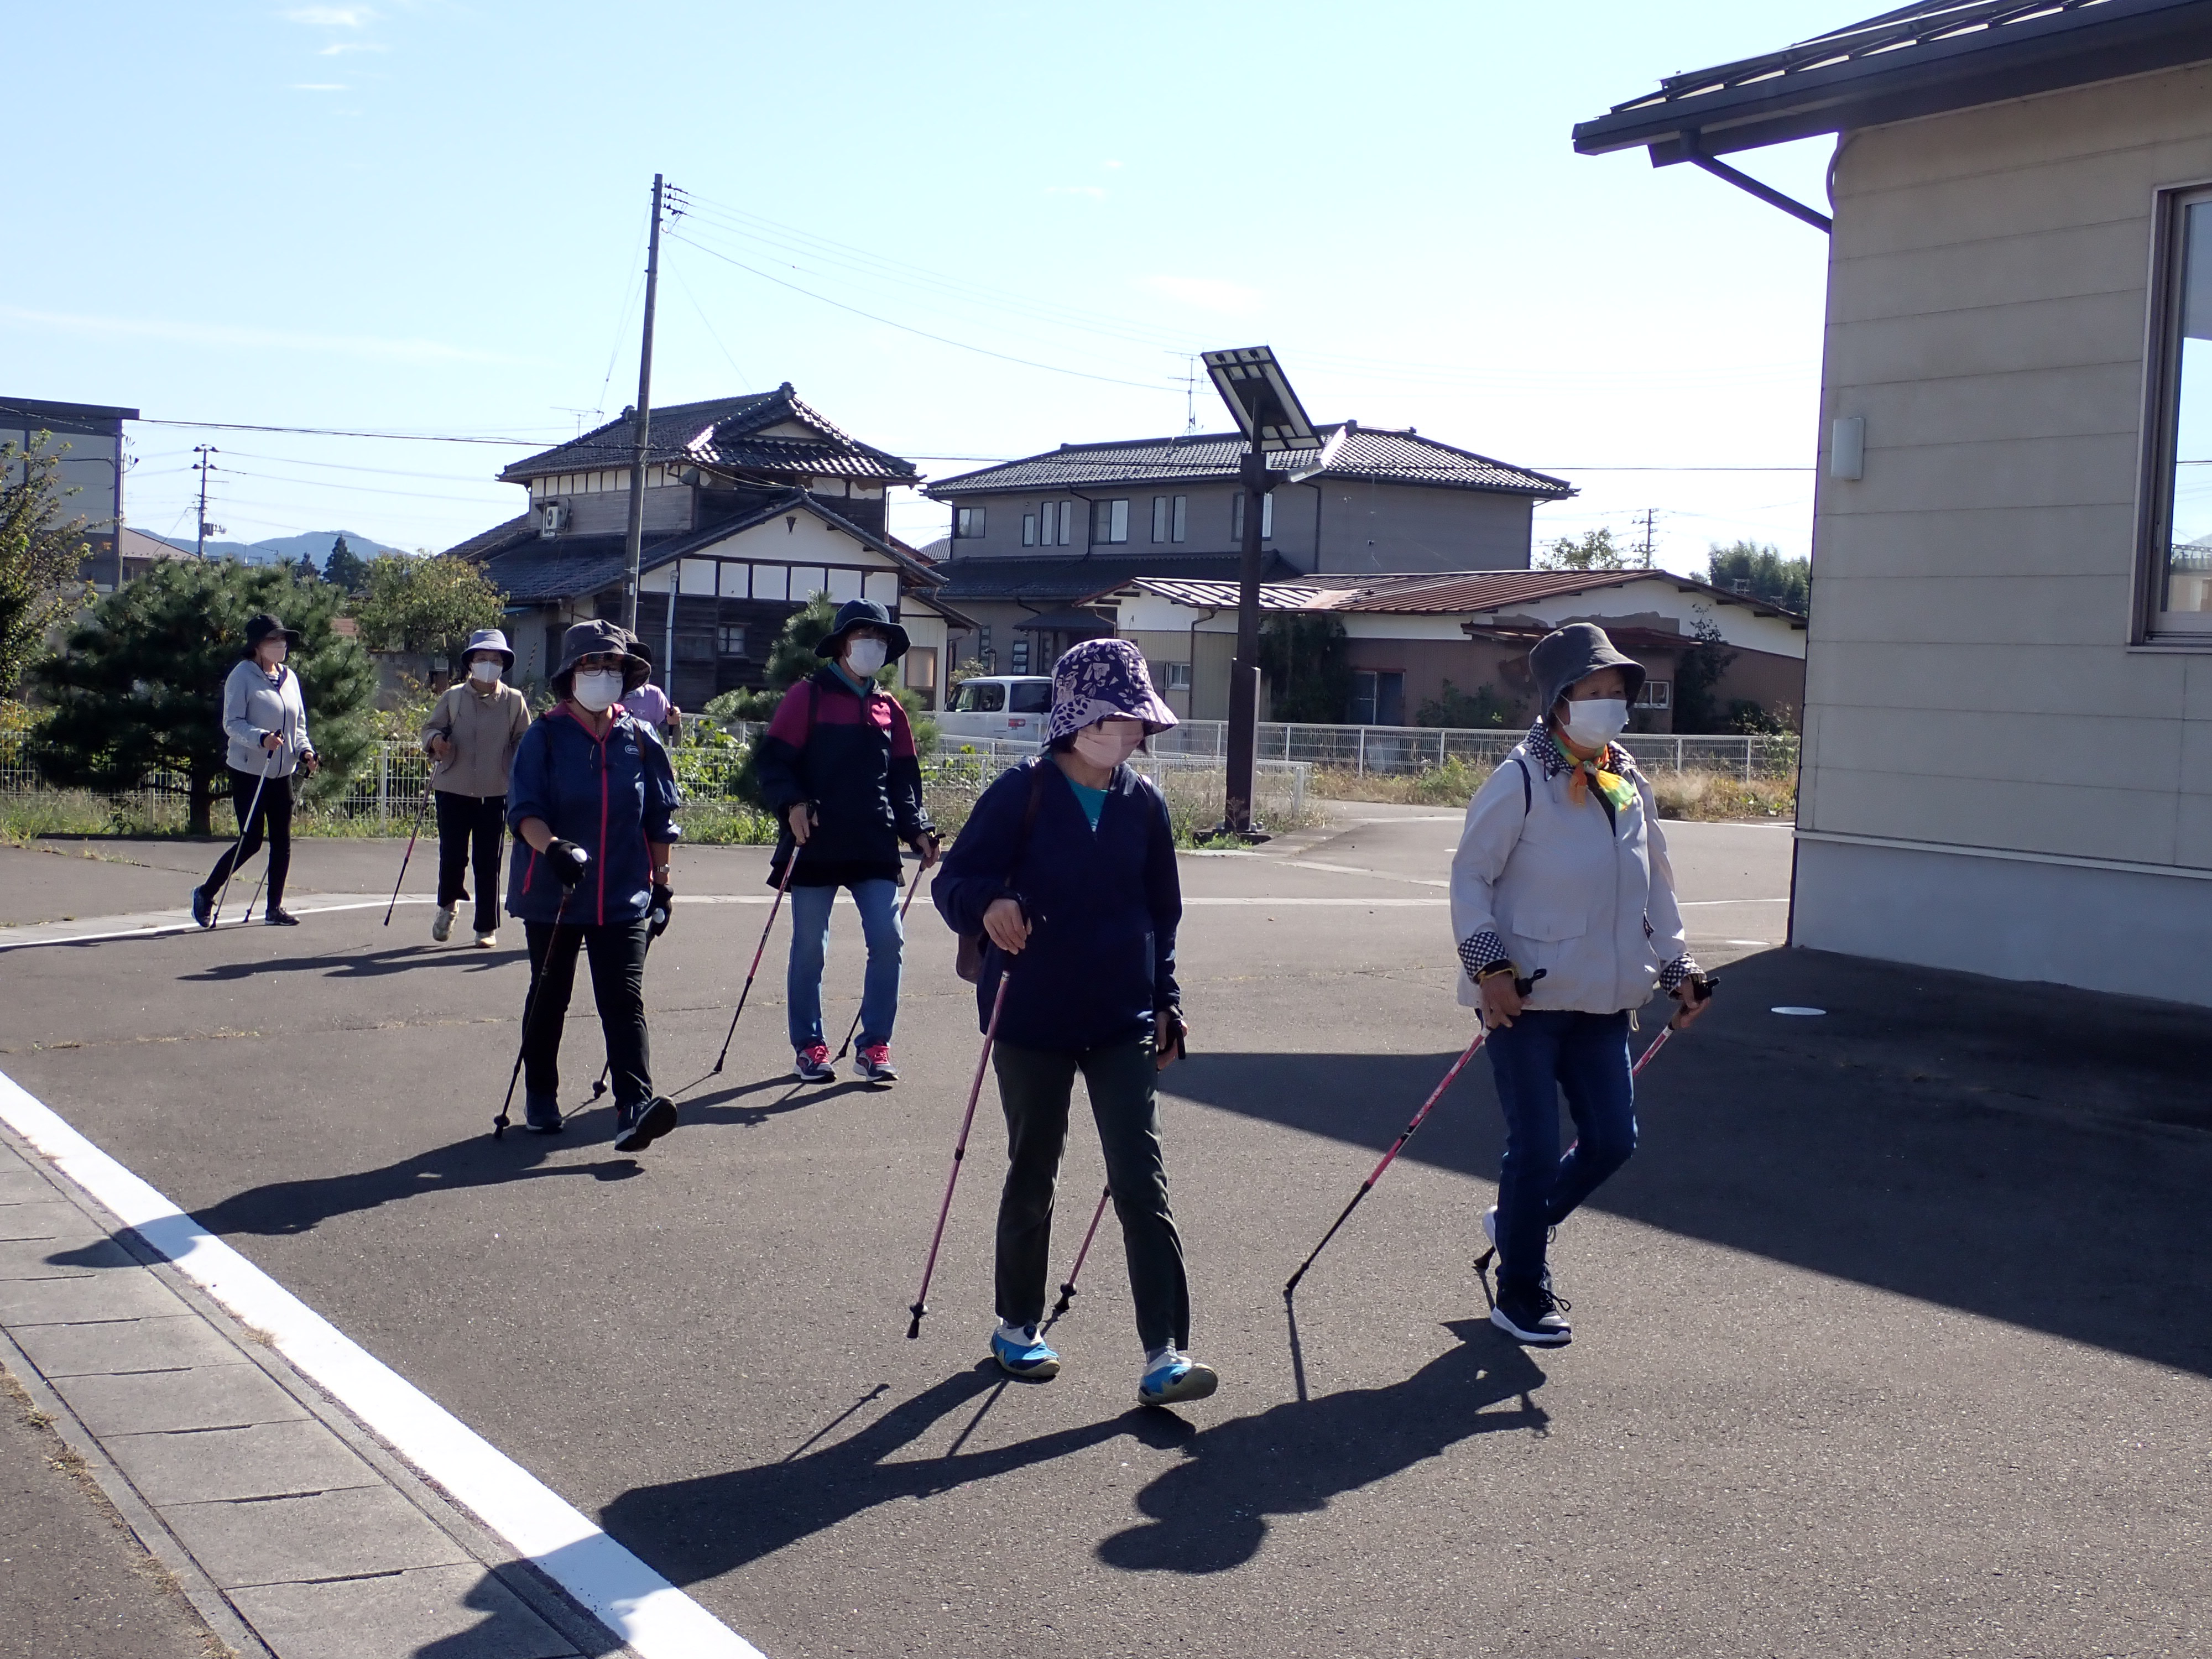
(1103,906)
(609,796)
(854,758)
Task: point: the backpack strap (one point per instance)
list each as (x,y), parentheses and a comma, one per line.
(1527,792)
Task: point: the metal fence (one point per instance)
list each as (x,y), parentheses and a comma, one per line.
(1399,751)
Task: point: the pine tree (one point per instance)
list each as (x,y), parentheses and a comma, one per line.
(344,568)
(39,555)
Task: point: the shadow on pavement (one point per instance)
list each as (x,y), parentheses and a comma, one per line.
(2023,1153)
(363,964)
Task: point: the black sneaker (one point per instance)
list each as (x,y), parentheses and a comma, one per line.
(278,916)
(1533,1317)
(638,1126)
(541,1113)
(203,908)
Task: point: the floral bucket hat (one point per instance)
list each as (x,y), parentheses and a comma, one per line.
(1101,680)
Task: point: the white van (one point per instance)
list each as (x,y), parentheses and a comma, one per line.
(1016,706)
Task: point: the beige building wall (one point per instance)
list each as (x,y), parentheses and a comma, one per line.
(1996,778)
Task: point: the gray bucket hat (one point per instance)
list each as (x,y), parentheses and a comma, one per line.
(1575,653)
(490,639)
(590,639)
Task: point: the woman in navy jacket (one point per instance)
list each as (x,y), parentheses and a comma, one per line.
(590,802)
(1067,866)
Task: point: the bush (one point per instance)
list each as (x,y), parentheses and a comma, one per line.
(1457,710)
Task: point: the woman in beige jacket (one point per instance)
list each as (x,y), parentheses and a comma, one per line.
(471,736)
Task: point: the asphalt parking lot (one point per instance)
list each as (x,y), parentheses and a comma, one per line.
(1893,1339)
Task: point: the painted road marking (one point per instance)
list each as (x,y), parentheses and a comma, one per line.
(155,924)
(656,1619)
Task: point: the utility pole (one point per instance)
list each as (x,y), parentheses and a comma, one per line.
(204,466)
(634,542)
(1650,533)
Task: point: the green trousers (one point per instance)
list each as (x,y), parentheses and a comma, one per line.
(1035,1086)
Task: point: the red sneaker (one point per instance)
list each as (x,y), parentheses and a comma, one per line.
(812,1065)
(873,1064)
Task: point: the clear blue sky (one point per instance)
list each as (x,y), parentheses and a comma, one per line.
(428,217)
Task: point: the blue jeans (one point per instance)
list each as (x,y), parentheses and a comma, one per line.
(1535,1060)
(878,902)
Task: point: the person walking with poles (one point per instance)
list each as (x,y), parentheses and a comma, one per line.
(264,719)
(1562,876)
(839,768)
(591,802)
(471,736)
(1067,868)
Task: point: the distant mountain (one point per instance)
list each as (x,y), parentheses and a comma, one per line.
(287,549)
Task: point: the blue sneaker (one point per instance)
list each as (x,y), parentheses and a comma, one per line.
(1021,1352)
(1171,1374)
(203,908)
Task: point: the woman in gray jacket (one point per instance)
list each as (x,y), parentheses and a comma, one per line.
(265,720)
(1562,876)
(471,736)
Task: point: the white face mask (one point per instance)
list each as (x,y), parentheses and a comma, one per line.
(1596,721)
(1110,742)
(865,657)
(485,673)
(598,689)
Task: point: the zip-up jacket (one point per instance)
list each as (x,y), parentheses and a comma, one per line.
(854,758)
(1585,894)
(484,727)
(254,706)
(1103,906)
(610,796)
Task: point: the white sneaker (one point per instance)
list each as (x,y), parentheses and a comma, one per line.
(487,941)
(441,927)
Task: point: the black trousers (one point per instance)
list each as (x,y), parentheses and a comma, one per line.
(1036,1087)
(618,956)
(272,818)
(465,823)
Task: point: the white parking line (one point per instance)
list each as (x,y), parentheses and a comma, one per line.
(156,924)
(657,1620)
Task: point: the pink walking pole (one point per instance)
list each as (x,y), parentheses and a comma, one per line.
(758,952)
(1067,1290)
(1658,1044)
(959,1152)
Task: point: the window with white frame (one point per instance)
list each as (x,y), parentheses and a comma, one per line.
(2179,550)
(1656,694)
(1160,516)
(1236,516)
(967,523)
(1022,655)
(1109,521)
(1174,677)
(1028,529)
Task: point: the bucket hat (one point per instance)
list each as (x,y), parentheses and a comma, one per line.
(1575,653)
(862,613)
(261,627)
(1101,680)
(590,639)
(490,639)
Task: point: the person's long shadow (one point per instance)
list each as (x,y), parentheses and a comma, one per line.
(363,964)
(1209,1513)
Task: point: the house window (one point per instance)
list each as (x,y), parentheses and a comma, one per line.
(983,646)
(1022,655)
(1378,698)
(730,639)
(1180,517)
(1057,523)
(1160,514)
(1109,521)
(1656,694)
(1174,677)
(2181,541)
(1028,529)
(1236,516)
(967,523)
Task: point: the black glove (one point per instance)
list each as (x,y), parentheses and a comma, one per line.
(567,861)
(663,908)
(1168,1022)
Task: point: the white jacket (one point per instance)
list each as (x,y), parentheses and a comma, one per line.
(1564,888)
(252,709)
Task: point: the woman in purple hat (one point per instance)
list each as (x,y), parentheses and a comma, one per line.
(1068,868)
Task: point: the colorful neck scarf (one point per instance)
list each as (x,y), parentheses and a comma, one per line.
(1597,769)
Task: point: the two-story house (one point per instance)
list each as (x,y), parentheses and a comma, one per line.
(752,504)
(1038,542)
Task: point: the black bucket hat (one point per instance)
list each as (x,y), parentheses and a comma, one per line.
(590,639)
(261,628)
(1575,653)
(862,613)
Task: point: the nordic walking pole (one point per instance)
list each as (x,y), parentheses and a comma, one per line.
(421,807)
(268,767)
(1067,1289)
(959,1152)
(1705,985)
(780,888)
(1523,986)
(913,888)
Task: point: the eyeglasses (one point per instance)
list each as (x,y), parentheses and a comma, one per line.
(600,659)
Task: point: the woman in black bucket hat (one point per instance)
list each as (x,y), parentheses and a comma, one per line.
(1562,876)
(265,720)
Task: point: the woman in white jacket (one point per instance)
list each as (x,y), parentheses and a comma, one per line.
(1562,876)
(265,720)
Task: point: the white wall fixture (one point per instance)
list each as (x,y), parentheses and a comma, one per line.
(1847,448)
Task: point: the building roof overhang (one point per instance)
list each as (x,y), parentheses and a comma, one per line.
(1916,61)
